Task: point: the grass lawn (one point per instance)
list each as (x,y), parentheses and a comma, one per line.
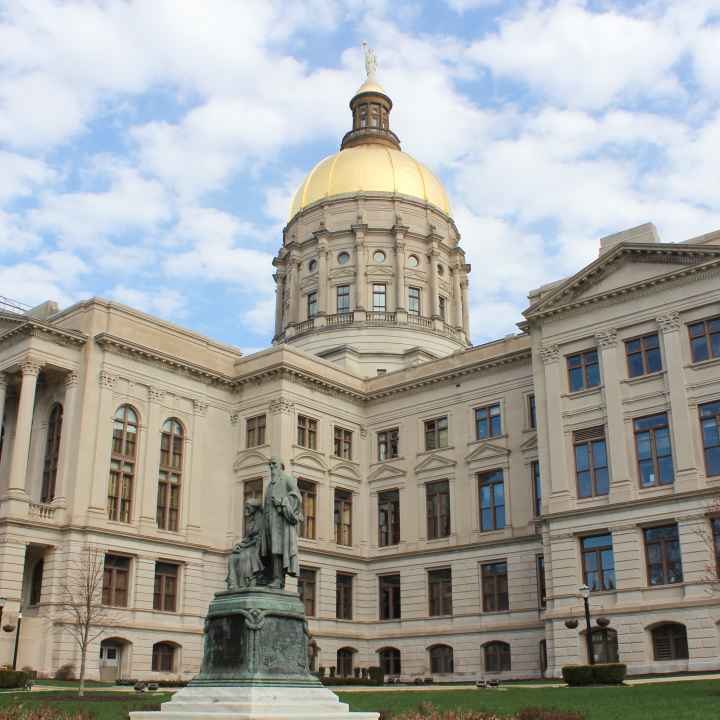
(100,705)
(671,701)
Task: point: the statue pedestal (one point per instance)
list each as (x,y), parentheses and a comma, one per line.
(255,665)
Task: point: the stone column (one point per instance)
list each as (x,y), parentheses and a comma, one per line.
(69,431)
(557,470)
(361,279)
(293,291)
(465,307)
(617,447)
(458,304)
(279,302)
(322,276)
(434,297)
(400,295)
(686,477)
(3,395)
(19,461)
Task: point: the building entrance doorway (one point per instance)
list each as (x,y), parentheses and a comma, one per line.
(110,660)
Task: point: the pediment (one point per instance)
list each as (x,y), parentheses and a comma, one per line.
(386,472)
(486,450)
(380,271)
(347,471)
(529,444)
(309,462)
(435,462)
(622,268)
(246,459)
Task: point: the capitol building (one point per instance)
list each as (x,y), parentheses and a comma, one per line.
(456,496)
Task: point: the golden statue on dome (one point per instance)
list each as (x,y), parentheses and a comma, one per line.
(370,61)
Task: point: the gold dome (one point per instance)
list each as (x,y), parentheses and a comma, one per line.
(370,167)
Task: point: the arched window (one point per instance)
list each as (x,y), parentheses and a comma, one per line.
(441,659)
(390,660)
(163,657)
(345,661)
(605,645)
(122,463)
(52,451)
(36,582)
(497,656)
(543,657)
(670,642)
(170,478)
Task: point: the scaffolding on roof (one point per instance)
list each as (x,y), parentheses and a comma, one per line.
(13,306)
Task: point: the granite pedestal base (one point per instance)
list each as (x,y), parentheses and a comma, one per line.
(255,665)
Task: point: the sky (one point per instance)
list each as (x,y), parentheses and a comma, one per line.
(149,150)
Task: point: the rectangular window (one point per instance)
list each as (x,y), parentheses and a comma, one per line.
(662,551)
(343,298)
(488,422)
(705,339)
(541,587)
(710,424)
(537,487)
(440,592)
(312,305)
(343,517)
(252,490)
(116,579)
(165,593)
(495,587)
(378,298)
(309,503)
(492,500)
(436,433)
(442,305)
(388,518)
(343,443)
(388,441)
(307,432)
(598,562)
(643,355)
(583,370)
(389,601)
(306,590)
(437,500)
(414,307)
(532,413)
(344,596)
(591,462)
(255,431)
(654,452)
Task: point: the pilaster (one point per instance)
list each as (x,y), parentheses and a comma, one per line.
(322,273)
(197,468)
(361,276)
(400,268)
(280,280)
(686,477)
(465,307)
(67,435)
(619,470)
(103,445)
(147,485)
(434,297)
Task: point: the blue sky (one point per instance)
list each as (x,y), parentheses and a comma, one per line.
(149,150)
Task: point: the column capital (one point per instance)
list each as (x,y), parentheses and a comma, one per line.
(3,380)
(107,380)
(549,353)
(200,407)
(280,405)
(71,379)
(156,395)
(606,338)
(30,366)
(669,321)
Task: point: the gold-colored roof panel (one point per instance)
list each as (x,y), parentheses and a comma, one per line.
(370,168)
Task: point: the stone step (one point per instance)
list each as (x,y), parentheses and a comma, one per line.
(271,714)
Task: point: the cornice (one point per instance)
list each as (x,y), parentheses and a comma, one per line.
(34,328)
(131,349)
(600,266)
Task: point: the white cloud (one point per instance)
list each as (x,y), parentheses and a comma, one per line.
(21,175)
(462,6)
(260,319)
(33,284)
(14,237)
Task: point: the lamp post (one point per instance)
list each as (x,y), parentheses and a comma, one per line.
(585,593)
(17,638)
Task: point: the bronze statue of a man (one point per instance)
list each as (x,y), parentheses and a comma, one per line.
(282,511)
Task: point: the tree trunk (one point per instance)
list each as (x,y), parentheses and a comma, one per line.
(83,655)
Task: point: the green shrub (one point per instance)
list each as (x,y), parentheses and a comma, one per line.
(575,675)
(376,675)
(542,714)
(609,673)
(13,678)
(65,672)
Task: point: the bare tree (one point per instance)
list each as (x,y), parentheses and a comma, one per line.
(81,601)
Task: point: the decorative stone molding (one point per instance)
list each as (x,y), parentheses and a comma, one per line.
(281,405)
(107,380)
(669,321)
(363,431)
(200,407)
(3,380)
(31,367)
(71,379)
(234,418)
(549,353)
(156,394)
(606,338)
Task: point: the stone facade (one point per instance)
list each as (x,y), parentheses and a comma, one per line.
(445,442)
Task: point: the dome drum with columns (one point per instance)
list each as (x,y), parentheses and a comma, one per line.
(371,274)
